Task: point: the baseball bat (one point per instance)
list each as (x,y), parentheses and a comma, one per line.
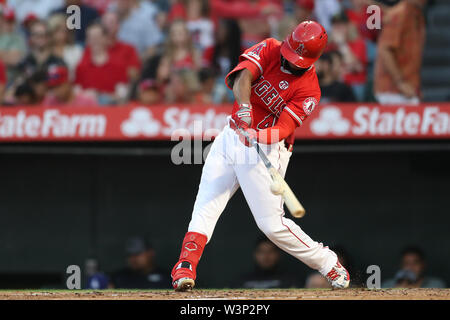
(279,185)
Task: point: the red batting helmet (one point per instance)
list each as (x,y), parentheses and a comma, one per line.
(305,44)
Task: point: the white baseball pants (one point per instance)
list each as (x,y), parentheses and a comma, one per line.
(229,165)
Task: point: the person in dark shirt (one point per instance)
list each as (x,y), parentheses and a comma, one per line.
(40,56)
(267,273)
(413,272)
(141,271)
(328,72)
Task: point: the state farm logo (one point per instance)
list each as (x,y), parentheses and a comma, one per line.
(384,121)
(51,123)
(330,121)
(141,122)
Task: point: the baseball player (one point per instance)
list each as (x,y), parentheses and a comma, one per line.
(276,89)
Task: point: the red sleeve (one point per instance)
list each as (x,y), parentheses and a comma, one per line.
(234,9)
(2,73)
(305,100)
(229,79)
(134,60)
(254,59)
(285,126)
(302,107)
(79,75)
(359,50)
(208,55)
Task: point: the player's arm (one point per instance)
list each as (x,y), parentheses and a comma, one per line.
(240,80)
(242,84)
(285,126)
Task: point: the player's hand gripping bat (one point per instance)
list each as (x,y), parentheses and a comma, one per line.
(279,185)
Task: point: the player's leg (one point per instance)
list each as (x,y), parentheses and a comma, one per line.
(217,185)
(268,212)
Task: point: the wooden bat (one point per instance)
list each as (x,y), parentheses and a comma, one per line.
(279,185)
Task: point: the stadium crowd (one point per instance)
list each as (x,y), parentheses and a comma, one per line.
(176,51)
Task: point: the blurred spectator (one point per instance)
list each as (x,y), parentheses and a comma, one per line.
(141,271)
(325,10)
(63,43)
(87,16)
(97,70)
(138,25)
(303,11)
(96,279)
(224,56)
(38,8)
(328,69)
(61,91)
(38,83)
(256,29)
(118,50)
(198,23)
(357,14)
(257,18)
(3,81)
(353,50)
(317,281)
(183,86)
(412,272)
(24,94)
(26,24)
(267,273)
(244,9)
(40,56)
(179,54)
(12,43)
(100,5)
(399,57)
(207,77)
(177,11)
(148,92)
(285,27)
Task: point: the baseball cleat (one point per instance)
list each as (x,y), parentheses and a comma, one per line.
(338,277)
(183,284)
(183,276)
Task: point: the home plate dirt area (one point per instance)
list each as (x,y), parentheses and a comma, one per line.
(224,294)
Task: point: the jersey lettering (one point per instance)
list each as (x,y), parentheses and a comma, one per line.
(270,96)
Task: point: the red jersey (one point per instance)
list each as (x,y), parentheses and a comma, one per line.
(275,90)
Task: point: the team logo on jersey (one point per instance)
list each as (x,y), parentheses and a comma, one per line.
(309,104)
(257,51)
(283,85)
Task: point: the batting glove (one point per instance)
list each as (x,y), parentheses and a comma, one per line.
(243,117)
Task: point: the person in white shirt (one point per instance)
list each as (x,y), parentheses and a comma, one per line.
(40,8)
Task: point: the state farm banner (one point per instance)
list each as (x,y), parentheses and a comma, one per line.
(165,122)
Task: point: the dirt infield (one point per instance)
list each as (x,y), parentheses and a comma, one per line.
(290,294)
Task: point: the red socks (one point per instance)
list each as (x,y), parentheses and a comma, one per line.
(191,251)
